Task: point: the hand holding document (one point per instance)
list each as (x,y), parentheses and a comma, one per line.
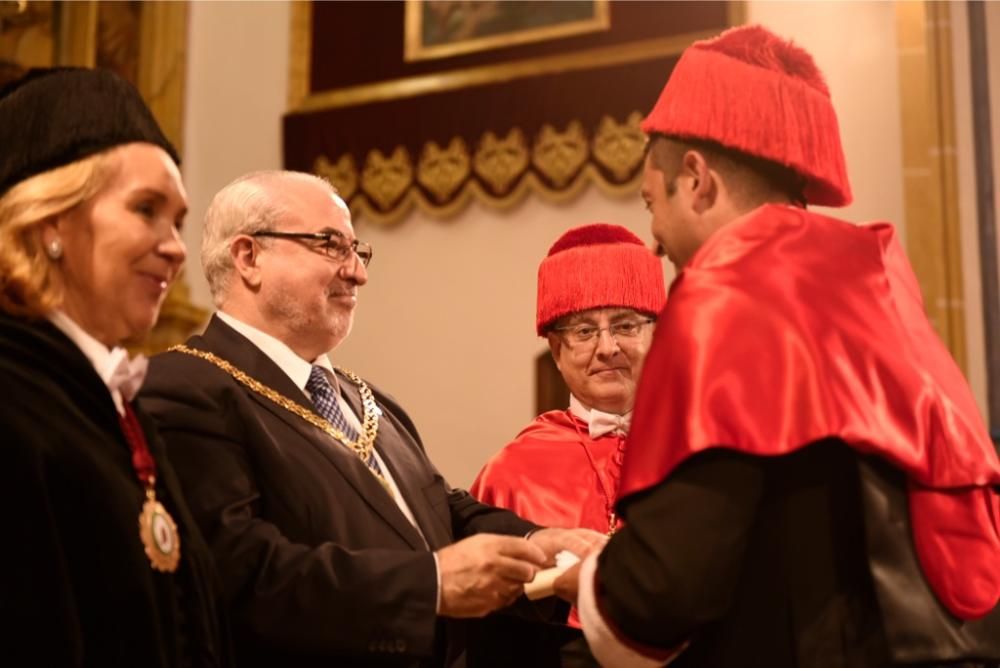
(542,585)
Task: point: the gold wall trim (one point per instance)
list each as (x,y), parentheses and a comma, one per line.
(405,87)
(299,61)
(557,165)
(930,170)
(529,185)
(414,50)
(77,43)
(163,63)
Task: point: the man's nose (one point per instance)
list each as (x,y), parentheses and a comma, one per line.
(607,344)
(354,269)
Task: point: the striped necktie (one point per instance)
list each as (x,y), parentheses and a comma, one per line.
(325,399)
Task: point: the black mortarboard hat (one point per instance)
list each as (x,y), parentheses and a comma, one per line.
(52,117)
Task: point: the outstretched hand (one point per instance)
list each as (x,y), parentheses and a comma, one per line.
(485,572)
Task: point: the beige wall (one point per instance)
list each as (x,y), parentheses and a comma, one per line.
(446,322)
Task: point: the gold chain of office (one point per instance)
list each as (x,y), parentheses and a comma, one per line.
(365,444)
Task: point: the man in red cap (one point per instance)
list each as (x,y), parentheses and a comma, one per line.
(807,481)
(599,290)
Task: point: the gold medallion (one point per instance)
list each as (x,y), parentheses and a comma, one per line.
(159,535)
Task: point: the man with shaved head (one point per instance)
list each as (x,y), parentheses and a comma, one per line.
(334,533)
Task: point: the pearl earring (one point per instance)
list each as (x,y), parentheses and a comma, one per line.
(54,249)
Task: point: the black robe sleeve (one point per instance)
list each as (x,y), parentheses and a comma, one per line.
(676,563)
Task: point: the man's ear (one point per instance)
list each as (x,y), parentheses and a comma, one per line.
(703,183)
(555,346)
(246,260)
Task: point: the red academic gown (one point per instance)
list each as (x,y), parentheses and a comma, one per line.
(789,327)
(555,475)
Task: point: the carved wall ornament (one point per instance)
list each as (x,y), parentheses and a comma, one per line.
(343,174)
(499,162)
(619,147)
(501,173)
(560,155)
(384,179)
(442,171)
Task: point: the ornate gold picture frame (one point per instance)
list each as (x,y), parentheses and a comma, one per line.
(444,28)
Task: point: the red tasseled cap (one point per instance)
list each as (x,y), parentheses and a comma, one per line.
(598,266)
(752,91)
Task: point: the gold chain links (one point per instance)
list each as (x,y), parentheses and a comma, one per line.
(365,444)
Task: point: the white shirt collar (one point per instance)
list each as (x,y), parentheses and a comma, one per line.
(105,361)
(287,360)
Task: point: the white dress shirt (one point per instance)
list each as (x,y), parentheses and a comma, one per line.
(106,361)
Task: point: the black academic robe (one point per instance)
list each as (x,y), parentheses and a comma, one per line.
(796,560)
(77,588)
(319,565)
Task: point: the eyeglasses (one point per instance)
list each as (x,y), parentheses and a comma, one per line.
(623,330)
(333,244)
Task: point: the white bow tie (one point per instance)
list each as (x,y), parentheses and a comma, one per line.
(606,423)
(124,374)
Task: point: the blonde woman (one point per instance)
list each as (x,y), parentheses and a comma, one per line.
(101,564)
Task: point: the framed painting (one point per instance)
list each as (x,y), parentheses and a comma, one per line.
(445,28)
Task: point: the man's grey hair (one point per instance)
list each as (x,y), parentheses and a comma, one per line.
(246,206)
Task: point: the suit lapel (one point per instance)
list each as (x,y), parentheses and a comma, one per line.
(226,342)
(405,468)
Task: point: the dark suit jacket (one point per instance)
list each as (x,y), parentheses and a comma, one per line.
(317,561)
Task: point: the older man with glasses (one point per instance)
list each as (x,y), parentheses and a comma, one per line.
(599,290)
(334,534)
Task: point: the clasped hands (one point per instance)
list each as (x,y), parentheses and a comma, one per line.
(487,572)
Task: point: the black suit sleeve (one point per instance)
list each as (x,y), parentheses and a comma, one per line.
(321,599)
(675,564)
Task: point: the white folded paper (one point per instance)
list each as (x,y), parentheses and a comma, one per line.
(542,585)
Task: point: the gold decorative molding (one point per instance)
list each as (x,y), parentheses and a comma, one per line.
(414,49)
(161,67)
(500,161)
(560,155)
(620,146)
(442,171)
(386,179)
(343,175)
(77,43)
(501,172)
(930,172)
(300,58)
(405,87)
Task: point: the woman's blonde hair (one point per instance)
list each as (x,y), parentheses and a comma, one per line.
(30,284)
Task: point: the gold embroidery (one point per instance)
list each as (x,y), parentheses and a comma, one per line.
(619,146)
(500,161)
(442,171)
(560,155)
(386,179)
(343,175)
(365,444)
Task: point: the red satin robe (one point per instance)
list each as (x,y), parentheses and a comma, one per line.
(788,327)
(554,474)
